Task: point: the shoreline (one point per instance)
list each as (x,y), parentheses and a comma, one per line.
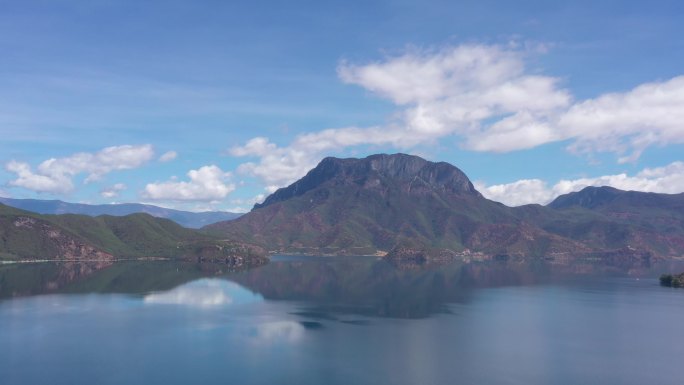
(28,261)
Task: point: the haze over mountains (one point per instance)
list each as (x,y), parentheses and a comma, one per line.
(385,203)
(193,220)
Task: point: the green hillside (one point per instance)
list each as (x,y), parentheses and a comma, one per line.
(26,235)
(371,205)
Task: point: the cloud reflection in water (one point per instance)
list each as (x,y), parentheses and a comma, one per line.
(278,331)
(204,293)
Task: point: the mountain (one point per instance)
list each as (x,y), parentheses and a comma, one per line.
(188,219)
(27,235)
(650,222)
(420,211)
(389,202)
(588,198)
(409,172)
(611,200)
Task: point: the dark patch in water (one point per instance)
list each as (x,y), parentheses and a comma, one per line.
(311,325)
(356,322)
(315,315)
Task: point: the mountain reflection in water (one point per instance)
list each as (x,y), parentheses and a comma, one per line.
(324,287)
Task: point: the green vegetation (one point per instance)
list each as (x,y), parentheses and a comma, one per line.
(373,204)
(26,235)
(385,202)
(188,219)
(672,280)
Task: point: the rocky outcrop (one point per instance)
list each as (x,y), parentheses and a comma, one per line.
(234,255)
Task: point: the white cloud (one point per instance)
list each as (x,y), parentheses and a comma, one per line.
(56,175)
(244,205)
(668,179)
(255,199)
(208,183)
(517,193)
(43,183)
(451,91)
(479,92)
(279,166)
(168,156)
(112,191)
(650,114)
(487,97)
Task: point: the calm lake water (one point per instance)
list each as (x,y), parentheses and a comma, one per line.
(339,321)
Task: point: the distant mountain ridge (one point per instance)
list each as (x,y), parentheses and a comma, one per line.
(408,206)
(28,235)
(605,197)
(189,219)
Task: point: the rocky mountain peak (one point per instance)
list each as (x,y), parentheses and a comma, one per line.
(407,172)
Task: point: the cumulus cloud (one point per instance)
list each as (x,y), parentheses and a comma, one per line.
(650,114)
(112,191)
(208,183)
(517,193)
(486,95)
(56,175)
(451,91)
(488,98)
(279,166)
(168,156)
(668,179)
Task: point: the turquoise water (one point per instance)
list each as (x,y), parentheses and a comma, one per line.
(338,321)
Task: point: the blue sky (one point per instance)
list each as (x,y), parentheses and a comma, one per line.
(213,104)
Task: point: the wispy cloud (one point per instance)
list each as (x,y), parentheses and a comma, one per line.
(244,205)
(62,103)
(56,175)
(112,191)
(168,156)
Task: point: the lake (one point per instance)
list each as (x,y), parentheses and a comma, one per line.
(351,320)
